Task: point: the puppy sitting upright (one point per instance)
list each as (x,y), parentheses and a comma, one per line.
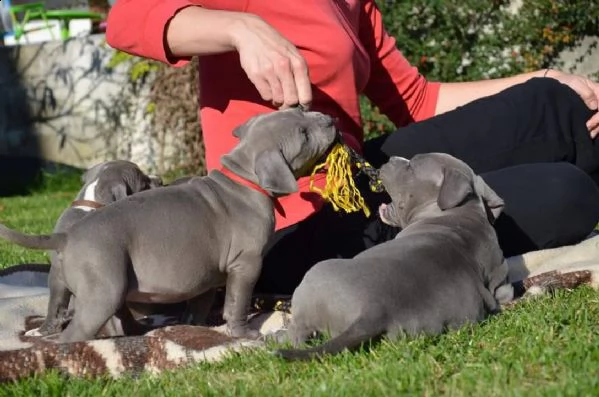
(445,267)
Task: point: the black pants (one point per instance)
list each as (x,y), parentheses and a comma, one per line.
(529,143)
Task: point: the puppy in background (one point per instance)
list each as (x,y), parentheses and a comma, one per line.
(444,269)
(103,184)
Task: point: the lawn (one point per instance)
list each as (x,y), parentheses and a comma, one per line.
(543,347)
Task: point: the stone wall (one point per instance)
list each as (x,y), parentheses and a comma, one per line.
(59,101)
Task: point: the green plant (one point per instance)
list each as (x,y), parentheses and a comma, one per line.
(139,68)
(172,106)
(480,39)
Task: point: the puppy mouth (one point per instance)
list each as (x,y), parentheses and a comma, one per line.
(387,213)
(338,139)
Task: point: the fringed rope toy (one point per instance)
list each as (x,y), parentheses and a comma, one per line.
(364,167)
(340,189)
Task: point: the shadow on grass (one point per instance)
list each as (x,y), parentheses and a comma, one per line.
(21,176)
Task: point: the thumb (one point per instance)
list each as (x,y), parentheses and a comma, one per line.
(589,95)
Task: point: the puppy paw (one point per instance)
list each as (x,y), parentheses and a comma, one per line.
(244,332)
(33,332)
(281,336)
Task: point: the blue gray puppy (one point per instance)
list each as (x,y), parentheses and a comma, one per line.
(179,243)
(444,269)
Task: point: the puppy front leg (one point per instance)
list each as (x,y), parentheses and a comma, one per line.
(241,278)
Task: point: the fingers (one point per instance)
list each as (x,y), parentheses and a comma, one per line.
(302,81)
(292,72)
(593,125)
(594,101)
(288,89)
(590,95)
(276,87)
(283,81)
(273,64)
(589,92)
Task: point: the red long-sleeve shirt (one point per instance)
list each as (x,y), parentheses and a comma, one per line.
(347,50)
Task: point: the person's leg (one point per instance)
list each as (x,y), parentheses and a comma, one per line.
(538,121)
(547,205)
(502,137)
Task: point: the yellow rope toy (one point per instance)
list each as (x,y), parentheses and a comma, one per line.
(340,189)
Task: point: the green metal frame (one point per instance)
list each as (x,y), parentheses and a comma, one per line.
(38,11)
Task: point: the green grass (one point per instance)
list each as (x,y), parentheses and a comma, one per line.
(544,347)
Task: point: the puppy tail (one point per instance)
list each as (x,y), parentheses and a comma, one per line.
(40,242)
(354,336)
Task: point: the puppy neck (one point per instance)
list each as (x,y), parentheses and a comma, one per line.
(421,212)
(430,210)
(252,185)
(240,164)
(86,205)
(243,181)
(86,199)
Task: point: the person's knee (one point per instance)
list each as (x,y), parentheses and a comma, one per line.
(551,89)
(575,204)
(547,205)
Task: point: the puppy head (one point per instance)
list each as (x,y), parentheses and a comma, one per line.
(277,148)
(114,180)
(432,178)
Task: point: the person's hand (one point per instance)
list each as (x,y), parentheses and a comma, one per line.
(588,91)
(272,63)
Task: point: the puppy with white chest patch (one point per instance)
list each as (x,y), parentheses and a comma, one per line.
(103,184)
(444,269)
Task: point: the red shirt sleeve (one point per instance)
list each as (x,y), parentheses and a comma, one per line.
(395,86)
(137,27)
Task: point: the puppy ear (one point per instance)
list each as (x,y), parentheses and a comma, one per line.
(493,202)
(119,191)
(90,173)
(155,181)
(274,174)
(499,284)
(455,189)
(239,131)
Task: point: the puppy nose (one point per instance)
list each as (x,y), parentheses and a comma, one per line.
(325,120)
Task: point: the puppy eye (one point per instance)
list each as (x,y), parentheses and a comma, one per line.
(304,132)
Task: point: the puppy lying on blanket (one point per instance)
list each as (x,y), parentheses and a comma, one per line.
(445,267)
(180,242)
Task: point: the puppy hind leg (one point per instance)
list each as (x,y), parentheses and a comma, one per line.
(199,307)
(57,313)
(94,309)
(299,333)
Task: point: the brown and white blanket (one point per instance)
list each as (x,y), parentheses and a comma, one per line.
(24,297)
(23,302)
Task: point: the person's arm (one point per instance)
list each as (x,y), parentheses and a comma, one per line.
(172,31)
(137,27)
(395,86)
